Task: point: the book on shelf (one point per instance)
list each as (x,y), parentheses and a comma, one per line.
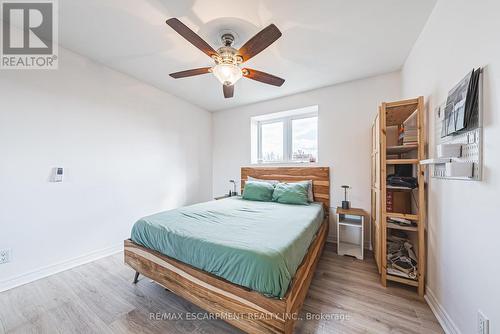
(410,133)
(401,222)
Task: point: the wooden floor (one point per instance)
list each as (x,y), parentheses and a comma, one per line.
(100,298)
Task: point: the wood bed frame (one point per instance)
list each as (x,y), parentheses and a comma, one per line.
(246,309)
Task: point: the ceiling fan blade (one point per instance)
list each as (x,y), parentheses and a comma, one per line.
(191,36)
(263,77)
(228,91)
(190,73)
(259,42)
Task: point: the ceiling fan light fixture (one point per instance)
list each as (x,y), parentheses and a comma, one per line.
(228,59)
(227,74)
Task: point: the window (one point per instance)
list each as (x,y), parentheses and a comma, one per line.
(286,137)
(305,139)
(271,139)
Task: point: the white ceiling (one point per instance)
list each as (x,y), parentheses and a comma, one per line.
(324,41)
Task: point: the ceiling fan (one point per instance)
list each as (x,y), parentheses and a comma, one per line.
(227,59)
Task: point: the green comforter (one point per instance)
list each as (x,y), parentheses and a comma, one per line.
(258,245)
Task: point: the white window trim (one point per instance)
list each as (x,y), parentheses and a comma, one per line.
(287,135)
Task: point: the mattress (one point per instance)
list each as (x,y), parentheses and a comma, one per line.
(258,245)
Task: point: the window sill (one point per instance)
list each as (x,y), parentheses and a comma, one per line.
(284,163)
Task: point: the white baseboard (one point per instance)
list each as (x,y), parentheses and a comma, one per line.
(442,316)
(37,274)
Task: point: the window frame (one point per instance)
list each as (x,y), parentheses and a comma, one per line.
(287,137)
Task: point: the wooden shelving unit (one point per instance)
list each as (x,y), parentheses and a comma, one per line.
(390,116)
(375,229)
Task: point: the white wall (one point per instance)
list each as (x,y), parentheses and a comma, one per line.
(346,113)
(128,150)
(463,231)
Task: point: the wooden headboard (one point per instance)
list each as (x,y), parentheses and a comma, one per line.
(319,175)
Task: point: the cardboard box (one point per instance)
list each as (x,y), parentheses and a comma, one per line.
(398,201)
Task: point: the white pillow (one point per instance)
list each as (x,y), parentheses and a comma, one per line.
(273,182)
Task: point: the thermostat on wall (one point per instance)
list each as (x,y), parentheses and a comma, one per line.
(57,174)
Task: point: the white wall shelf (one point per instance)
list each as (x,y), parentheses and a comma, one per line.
(470,143)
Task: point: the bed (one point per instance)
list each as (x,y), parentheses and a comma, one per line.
(248,262)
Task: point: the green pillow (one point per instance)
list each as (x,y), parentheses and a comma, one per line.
(291,193)
(258,191)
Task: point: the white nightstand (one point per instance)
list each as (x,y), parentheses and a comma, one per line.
(350,221)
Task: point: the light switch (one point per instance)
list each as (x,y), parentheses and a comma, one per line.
(57,174)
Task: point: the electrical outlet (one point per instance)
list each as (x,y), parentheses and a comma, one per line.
(483,324)
(4,256)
